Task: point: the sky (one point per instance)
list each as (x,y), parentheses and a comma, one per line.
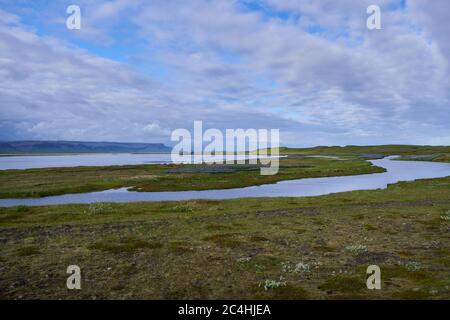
(139,69)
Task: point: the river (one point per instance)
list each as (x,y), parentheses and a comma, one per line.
(396,171)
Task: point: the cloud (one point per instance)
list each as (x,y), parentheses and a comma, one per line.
(51,91)
(360,79)
(309,68)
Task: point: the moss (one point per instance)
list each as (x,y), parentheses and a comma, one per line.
(125,245)
(217,227)
(345,284)
(262,263)
(123,269)
(370,227)
(225,240)
(287,292)
(122,264)
(324,248)
(21,209)
(183,208)
(27,251)
(319,221)
(392,272)
(99,208)
(412,295)
(258,238)
(406,253)
(179,247)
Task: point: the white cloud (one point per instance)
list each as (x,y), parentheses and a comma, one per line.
(50,91)
(317,74)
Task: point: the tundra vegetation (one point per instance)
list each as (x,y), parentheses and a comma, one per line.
(171,177)
(270,248)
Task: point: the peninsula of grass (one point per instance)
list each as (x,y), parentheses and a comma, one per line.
(158,177)
(169,177)
(438,153)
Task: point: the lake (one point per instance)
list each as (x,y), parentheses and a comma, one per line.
(94,160)
(396,171)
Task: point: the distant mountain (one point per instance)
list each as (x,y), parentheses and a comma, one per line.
(30,147)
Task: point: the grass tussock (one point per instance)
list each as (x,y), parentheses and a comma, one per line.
(125,245)
(343,284)
(99,208)
(224,240)
(27,251)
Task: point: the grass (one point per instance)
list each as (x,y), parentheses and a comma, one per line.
(226,240)
(343,284)
(265,248)
(446,216)
(285,292)
(436,153)
(428,157)
(357,248)
(27,251)
(170,177)
(226,249)
(98,208)
(56,181)
(274,284)
(124,245)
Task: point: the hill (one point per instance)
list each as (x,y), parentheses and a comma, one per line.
(34,147)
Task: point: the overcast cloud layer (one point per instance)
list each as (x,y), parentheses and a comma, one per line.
(139,69)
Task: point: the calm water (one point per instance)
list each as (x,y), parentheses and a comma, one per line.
(106,159)
(397,171)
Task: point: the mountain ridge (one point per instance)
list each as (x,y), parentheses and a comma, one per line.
(62,146)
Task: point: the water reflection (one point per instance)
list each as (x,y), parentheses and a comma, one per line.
(396,171)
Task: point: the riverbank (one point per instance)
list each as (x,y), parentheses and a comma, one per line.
(437,153)
(395,171)
(169,177)
(319,246)
(305,248)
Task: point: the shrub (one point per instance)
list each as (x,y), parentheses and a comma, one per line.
(273,284)
(358,248)
(297,268)
(100,207)
(22,209)
(183,208)
(446,216)
(413,266)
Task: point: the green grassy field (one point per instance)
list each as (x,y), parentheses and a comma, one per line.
(56,181)
(319,247)
(367,151)
(270,248)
